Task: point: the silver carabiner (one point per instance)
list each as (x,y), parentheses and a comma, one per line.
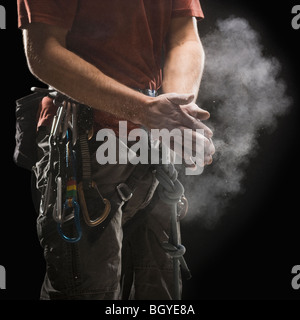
(58,121)
(59,211)
(70,121)
(57,208)
(73,124)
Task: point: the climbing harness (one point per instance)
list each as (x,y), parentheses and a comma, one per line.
(69,139)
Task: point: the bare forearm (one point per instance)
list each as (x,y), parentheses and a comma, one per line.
(53,64)
(184,68)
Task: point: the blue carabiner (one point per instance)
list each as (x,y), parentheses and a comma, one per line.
(75,205)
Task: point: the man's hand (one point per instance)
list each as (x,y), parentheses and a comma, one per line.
(178,111)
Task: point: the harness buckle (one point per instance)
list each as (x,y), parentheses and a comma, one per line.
(124,192)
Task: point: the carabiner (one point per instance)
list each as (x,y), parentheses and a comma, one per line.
(86,216)
(71,204)
(70,122)
(57,208)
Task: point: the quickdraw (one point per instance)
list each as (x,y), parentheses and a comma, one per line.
(62,139)
(70,203)
(88,186)
(62,187)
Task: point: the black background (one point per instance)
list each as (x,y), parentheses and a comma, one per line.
(249,254)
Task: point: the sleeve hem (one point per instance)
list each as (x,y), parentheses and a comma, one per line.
(188,13)
(24,21)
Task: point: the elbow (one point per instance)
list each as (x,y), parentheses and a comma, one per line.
(34,65)
(36,61)
(40,54)
(29,52)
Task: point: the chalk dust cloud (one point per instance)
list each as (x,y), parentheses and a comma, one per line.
(243,88)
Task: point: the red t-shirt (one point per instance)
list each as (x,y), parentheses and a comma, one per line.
(123,38)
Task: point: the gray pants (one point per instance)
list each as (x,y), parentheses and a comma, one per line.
(123,261)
